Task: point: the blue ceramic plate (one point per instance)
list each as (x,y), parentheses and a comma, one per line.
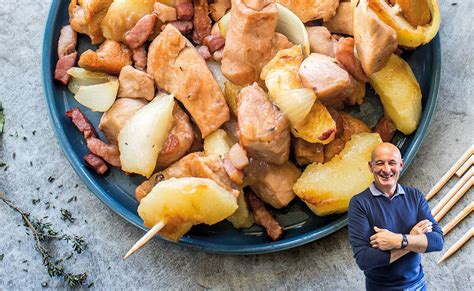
(117,190)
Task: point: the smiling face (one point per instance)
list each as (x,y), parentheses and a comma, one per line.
(386,165)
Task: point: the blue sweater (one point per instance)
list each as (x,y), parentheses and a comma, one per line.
(398,215)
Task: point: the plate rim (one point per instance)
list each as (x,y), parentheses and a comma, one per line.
(285,244)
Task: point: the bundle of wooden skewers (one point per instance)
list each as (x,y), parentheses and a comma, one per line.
(462,168)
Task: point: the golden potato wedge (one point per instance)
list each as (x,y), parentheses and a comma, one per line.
(317,127)
(217,143)
(123,15)
(242,218)
(327,188)
(231,91)
(183,202)
(400,93)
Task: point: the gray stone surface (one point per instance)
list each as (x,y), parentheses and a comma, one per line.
(326,264)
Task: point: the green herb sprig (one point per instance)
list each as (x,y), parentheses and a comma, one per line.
(43,233)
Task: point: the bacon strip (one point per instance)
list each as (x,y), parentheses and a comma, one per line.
(64,64)
(110,153)
(184,26)
(235,175)
(345,56)
(201,21)
(67,41)
(263,217)
(137,36)
(184,10)
(81,122)
(214,42)
(96,163)
(386,128)
(139,58)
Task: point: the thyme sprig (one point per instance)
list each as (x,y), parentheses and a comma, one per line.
(43,233)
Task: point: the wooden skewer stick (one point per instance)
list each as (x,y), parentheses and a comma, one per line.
(452,192)
(461,215)
(465,166)
(450,173)
(453,200)
(149,235)
(458,244)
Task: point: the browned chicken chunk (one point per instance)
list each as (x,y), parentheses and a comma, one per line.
(272,183)
(110,58)
(249,41)
(375,41)
(178,68)
(180,138)
(333,85)
(264,130)
(219,8)
(343,21)
(321,41)
(192,165)
(308,10)
(135,84)
(114,119)
(86,16)
(263,217)
(306,152)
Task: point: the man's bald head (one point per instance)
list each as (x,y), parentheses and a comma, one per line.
(385,148)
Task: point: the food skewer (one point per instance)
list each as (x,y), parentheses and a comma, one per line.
(455,199)
(144,239)
(450,173)
(458,244)
(465,166)
(461,215)
(452,192)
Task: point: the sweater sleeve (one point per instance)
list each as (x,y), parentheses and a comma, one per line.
(360,231)
(435,238)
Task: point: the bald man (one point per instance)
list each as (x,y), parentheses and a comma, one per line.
(390,225)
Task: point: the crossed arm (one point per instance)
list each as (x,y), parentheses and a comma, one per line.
(384,247)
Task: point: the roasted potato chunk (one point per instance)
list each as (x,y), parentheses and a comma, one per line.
(86,16)
(400,93)
(317,127)
(327,188)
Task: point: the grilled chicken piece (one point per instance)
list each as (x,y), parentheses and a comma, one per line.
(179,141)
(192,165)
(114,119)
(86,17)
(178,68)
(110,58)
(321,41)
(349,125)
(249,40)
(272,183)
(333,85)
(375,41)
(308,10)
(263,217)
(343,21)
(306,152)
(264,130)
(135,84)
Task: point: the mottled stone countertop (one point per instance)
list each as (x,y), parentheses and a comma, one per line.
(324,264)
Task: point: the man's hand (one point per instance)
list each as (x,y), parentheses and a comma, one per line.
(385,240)
(422,227)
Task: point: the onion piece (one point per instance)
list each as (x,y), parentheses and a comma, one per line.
(216,71)
(98,97)
(141,139)
(217,143)
(295,103)
(83,77)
